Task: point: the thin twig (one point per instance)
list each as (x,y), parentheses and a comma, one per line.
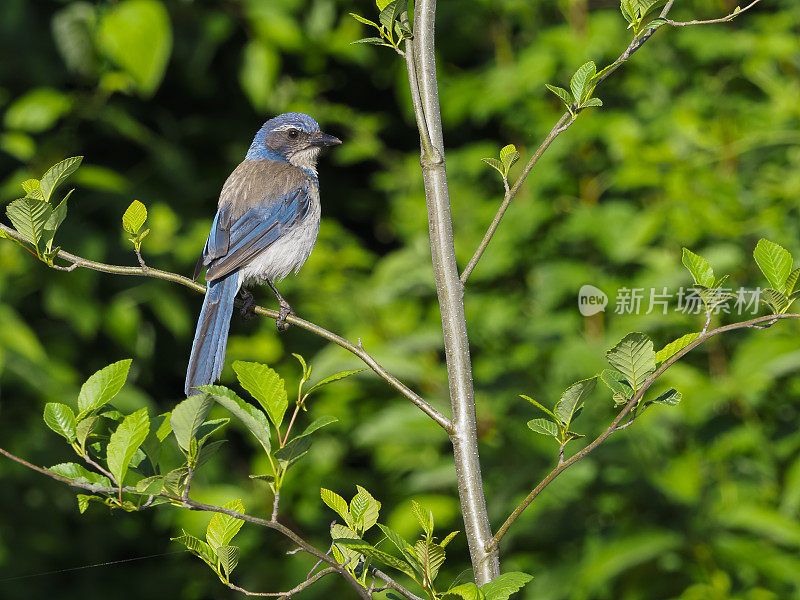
(275,501)
(286,595)
(567,119)
(392,584)
(187,485)
(616,423)
(415,398)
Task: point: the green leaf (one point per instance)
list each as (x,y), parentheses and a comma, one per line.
(449,538)
(592,102)
(634,357)
(406,549)
(54,222)
(267,478)
(83,501)
(125,441)
(61,419)
(137,36)
(776,300)
(376,41)
(209,428)
(340,532)
(495,164)
(361,19)
(466,591)
(674,347)
(431,556)
(199,548)
(57,175)
(565,96)
(791,281)
(103,386)
(228,558)
(31,187)
(508,156)
(392,12)
(332,378)
(36,111)
(656,23)
(544,426)
(29,217)
(266,386)
(368,550)
(338,504)
(616,382)
(580,82)
(364,509)
(294,450)
(207,451)
(150,485)
(174,480)
(306,370)
(381,4)
(539,406)
(424,516)
(502,586)
(318,424)
(775,262)
(254,419)
(84,429)
(78,473)
(134,217)
(701,270)
(573,398)
(670,397)
(222,528)
(188,416)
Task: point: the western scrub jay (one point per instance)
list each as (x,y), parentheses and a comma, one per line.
(266,226)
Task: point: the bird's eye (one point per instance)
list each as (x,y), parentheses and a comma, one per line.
(293,133)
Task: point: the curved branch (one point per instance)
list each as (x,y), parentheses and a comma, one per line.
(286,595)
(616,425)
(356,349)
(568,118)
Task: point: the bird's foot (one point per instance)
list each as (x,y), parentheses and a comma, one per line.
(284,312)
(248,308)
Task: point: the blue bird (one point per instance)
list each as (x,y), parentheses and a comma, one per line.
(266,226)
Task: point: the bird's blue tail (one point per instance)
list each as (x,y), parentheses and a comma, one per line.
(211,335)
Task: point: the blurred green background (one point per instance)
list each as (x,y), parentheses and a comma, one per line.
(696,145)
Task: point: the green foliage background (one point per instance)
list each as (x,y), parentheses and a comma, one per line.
(696,145)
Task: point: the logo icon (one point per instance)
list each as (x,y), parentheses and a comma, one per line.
(591,300)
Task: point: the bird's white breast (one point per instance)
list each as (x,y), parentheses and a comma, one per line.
(290,251)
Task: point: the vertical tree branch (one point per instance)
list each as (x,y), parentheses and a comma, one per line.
(421,64)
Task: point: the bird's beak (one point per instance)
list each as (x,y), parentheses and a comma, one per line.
(323,139)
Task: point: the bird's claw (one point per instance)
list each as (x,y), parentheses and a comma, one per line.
(248,305)
(284,312)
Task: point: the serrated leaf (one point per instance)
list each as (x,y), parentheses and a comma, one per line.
(228,558)
(294,450)
(103,386)
(199,548)
(502,586)
(495,164)
(30,186)
(57,174)
(188,416)
(174,480)
(54,222)
(424,517)
(332,378)
(466,591)
(61,419)
(670,397)
(340,532)
(791,281)
(134,217)
(361,19)
(364,509)
(508,156)
(572,400)
(209,428)
(406,549)
(541,407)
(616,382)
(544,426)
(591,102)
(371,552)
(431,556)
(675,346)
(391,13)
(634,357)
(775,263)
(253,419)
(775,299)
(565,96)
(448,538)
(150,485)
(78,473)
(266,386)
(302,361)
(338,504)
(222,528)
(580,82)
(83,429)
(656,23)
(125,441)
(319,423)
(699,267)
(29,217)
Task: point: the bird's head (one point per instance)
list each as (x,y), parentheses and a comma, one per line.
(293,137)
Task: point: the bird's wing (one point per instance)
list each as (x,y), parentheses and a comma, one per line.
(218,240)
(233,246)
